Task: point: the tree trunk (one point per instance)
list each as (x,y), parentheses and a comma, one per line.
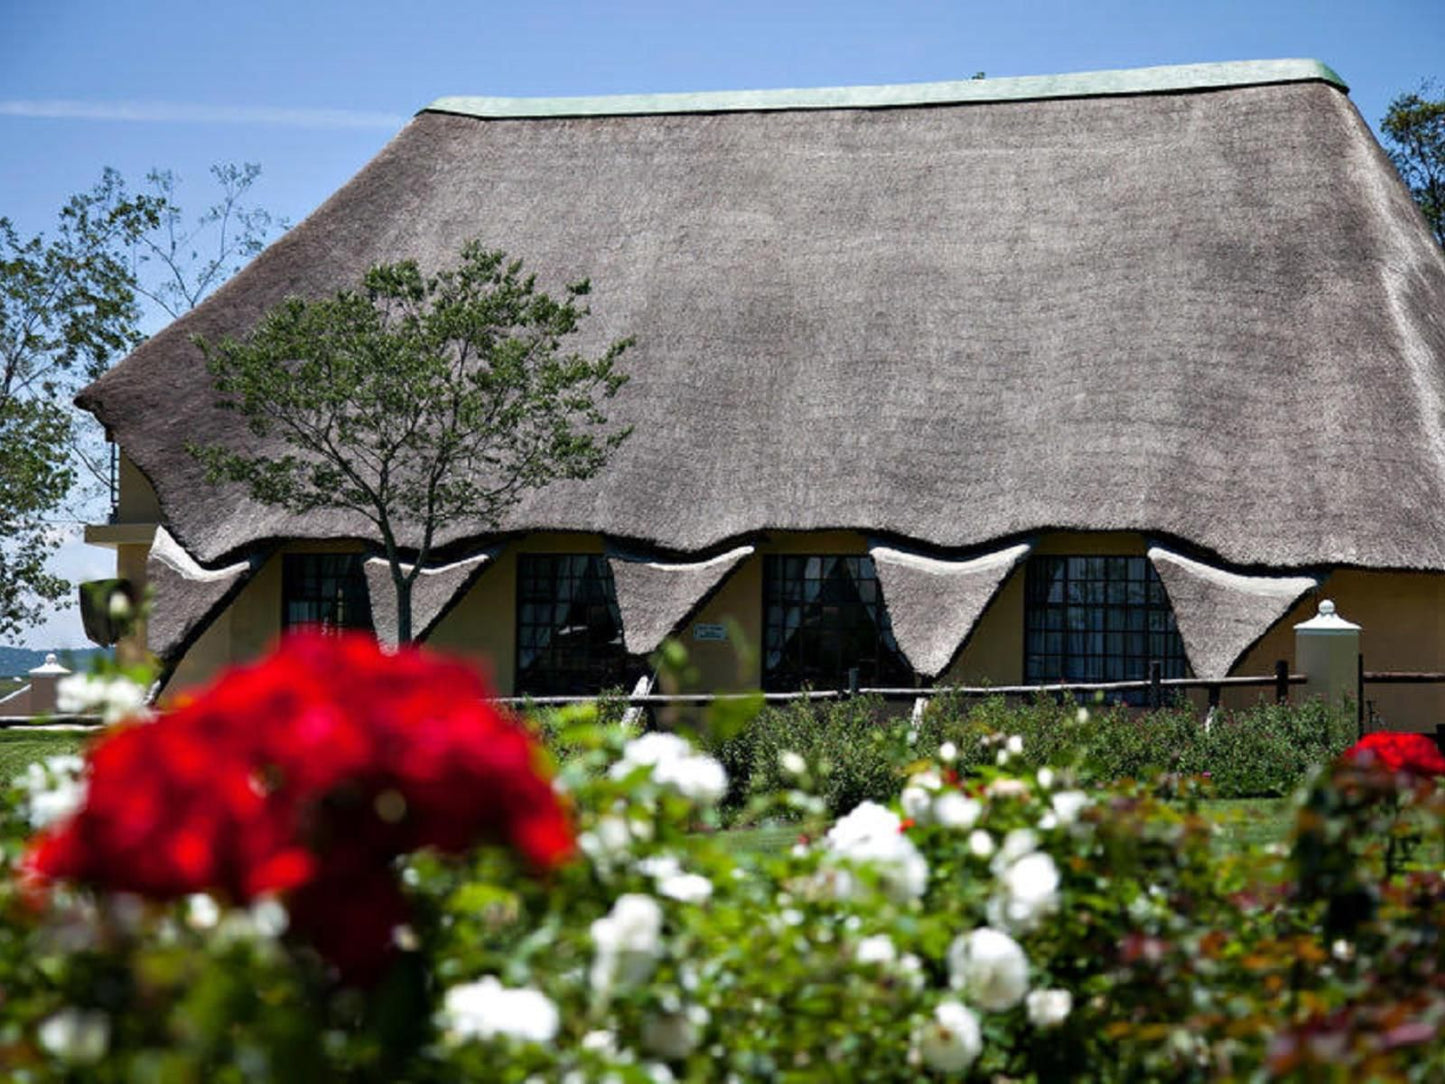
(403,605)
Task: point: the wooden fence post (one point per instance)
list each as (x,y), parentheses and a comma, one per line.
(1281,681)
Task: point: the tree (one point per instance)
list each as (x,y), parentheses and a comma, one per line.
(171,268)
(67,309)
(1414,127)
(417,402)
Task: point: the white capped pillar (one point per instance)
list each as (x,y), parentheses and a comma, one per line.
(43,682)
(1327,652)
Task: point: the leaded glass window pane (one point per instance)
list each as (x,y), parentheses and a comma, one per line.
(569,630)
(1089,619)
(324,590)
(822,616)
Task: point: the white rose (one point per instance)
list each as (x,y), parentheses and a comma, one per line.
(1016,844)
(877,949)
(55,790)
(948,752)
(1027,891)
(628,940)
(1048,1008)
(872,835)
(1068,804)
(1046,778)
(685,887)
(1015,744)
(78,1036)
(980,843)
(672,1036)
(917,803)
(792,763)
(990,968)
(951,1041)
(952,810)
(486,1009)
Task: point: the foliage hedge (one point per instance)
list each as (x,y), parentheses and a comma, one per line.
(862,746)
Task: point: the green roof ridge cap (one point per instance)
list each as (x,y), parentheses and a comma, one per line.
(1156,80)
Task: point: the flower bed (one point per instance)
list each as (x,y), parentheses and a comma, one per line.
(995,919)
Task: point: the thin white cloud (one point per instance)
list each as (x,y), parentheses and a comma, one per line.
(184,113)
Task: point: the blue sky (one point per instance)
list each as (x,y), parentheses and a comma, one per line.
(311,90)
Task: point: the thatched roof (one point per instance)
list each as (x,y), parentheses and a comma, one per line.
(1195,302)
(935,604)
(433,592)
(190,593)
(655,597)
(1221,614)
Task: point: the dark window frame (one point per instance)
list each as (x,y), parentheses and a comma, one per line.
(816,651)
(1098,618)
(325,590)
(594,656)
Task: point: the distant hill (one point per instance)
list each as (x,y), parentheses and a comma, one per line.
(19,661)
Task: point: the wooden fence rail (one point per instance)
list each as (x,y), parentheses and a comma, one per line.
(1155,685)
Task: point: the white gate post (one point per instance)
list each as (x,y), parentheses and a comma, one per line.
(1327,651)
(43,680)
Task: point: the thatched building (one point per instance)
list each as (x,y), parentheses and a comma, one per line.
(1002,379)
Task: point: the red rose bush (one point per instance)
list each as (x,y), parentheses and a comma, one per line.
(1398,751)
(307,775)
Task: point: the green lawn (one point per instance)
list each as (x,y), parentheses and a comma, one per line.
(21,746)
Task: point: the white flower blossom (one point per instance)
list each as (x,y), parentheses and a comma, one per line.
(54,789)
(990,968)
(1068,804)
(1046,778)
(1007,788)
(486,1009)
(1016,844)
(791,763)
(202,912)
(685,887)
(1015,744)
(1048,1008)
(77,1036)
(917,804)
(873,835)
(980,843)
(672,1036)
(951,1041)
(877,949)
(948,752)
(674,764)
(628,940)
(1027,891)
(113,699)
(952,810)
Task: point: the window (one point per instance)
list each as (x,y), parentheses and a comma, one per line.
(326,590)
(1098,619)
(569,631)
(823,616)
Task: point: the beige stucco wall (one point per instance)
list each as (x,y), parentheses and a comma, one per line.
(994,653)
(1403,615)
(482,626)
(250,625)
(136,500)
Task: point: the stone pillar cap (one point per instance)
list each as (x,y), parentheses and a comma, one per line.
(1327,621)
(50,667)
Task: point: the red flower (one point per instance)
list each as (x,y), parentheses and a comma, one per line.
(308,774)
(1398,751)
